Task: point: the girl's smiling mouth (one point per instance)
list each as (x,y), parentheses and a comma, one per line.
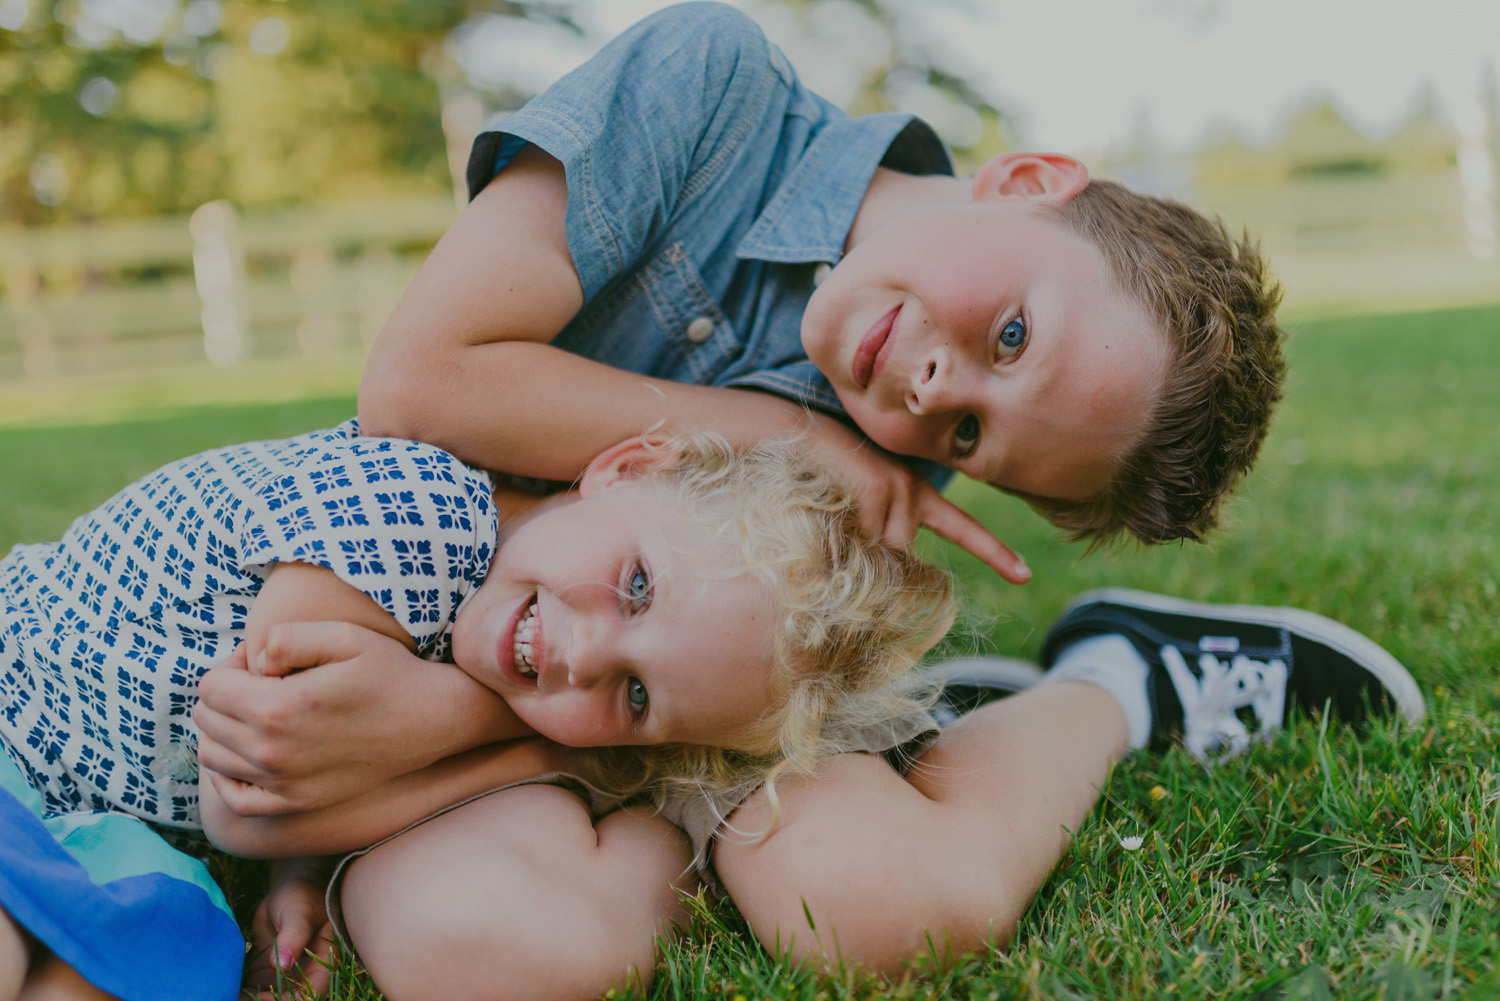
(520,647)
(874,348)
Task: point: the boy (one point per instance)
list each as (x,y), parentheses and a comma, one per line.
(671,209)
(650,242)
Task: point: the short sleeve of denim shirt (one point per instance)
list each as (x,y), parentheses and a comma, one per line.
(641,127)
(705,185)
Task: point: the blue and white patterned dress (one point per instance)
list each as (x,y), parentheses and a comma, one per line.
(105,633)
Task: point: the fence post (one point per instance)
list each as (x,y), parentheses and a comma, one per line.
(313,277)
(219,273)
(33,331)
(378,291)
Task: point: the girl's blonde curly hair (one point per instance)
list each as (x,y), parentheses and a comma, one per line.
(853,617)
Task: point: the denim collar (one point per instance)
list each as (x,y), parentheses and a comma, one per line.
(808,218)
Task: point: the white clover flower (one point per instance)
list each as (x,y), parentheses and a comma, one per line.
(1132,843)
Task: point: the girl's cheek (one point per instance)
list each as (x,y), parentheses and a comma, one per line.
(588,725)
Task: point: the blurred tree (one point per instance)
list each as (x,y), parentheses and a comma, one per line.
(131,107)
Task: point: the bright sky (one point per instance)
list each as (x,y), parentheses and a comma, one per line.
(1079,75)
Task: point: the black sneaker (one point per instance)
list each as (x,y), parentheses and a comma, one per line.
(970,682)
(1217,668)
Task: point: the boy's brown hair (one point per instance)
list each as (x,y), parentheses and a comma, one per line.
(1206,424)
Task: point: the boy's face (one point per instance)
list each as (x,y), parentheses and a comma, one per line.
(612,620)
(987,337)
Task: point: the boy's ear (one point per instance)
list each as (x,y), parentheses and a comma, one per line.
(630,459)
(1046,177)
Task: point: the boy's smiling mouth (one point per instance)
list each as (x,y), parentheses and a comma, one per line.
(874,348)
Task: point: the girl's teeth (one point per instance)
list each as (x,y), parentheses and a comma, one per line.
(522,644)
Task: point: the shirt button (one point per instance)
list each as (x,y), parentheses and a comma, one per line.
(822,271)
(700,330)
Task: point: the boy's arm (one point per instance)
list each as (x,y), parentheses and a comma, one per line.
(378,813)
(372,710)
(464,363)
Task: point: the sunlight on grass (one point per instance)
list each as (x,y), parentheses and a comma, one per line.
(1326,864)
(111,399)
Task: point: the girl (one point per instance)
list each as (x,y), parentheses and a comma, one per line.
(686,595)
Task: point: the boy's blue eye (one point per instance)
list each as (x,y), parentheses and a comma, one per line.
(638,589)
(966,435)
(1012,338)
(635,693)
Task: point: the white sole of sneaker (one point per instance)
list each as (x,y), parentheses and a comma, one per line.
(1350,642)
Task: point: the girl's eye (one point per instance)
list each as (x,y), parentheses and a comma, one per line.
(638,590)
(635,694)
(1012,339)
(966,435)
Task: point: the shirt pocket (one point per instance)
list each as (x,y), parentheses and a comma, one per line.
(662,321)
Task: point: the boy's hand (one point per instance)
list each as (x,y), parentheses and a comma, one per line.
(291,740)
(290,923)
(895,501)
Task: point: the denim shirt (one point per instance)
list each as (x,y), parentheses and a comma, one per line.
(708,191)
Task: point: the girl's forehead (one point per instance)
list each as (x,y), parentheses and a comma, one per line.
(702,532)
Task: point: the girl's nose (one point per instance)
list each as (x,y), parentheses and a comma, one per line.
(591,650)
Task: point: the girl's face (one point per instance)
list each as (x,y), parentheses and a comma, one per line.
(612,620)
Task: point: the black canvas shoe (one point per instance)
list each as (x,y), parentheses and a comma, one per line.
(970,682)
(1222,675)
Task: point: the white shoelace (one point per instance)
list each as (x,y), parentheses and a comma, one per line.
(1212,728)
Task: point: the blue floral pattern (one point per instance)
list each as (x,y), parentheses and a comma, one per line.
(105,634)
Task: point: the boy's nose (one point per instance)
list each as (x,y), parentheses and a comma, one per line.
(932,384)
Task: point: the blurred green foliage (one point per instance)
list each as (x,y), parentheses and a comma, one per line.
(109,112)
(134,107)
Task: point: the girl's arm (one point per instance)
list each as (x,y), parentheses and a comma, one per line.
(373,709)
(464,363)
(291,940)
(382,811)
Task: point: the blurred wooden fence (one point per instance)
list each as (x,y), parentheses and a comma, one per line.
(313,283)
(214,288)
(1369,242)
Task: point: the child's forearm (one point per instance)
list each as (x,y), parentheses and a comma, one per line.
(304,738)
(378,813)
(536,410)
(318,737)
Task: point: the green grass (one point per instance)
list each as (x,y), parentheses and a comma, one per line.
(1328,863)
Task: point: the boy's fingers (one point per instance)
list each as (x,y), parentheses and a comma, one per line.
(900,528)
(960,528)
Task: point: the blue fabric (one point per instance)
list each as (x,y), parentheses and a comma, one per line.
(135,917)
(705,182)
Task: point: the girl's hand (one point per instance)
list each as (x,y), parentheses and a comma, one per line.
(894,501)
(284,739)
(291,940)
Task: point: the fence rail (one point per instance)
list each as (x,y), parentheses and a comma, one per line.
(213,287)
(219,287)
(1368,242)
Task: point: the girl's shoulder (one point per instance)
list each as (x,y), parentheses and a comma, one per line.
(340,458)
